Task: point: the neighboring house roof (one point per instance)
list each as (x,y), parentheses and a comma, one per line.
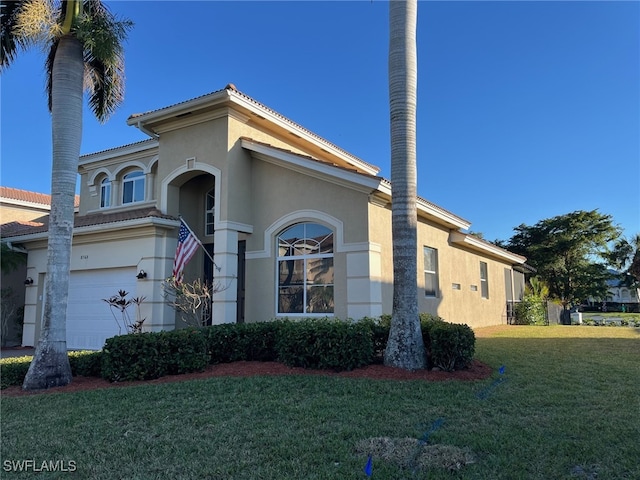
(15,229)
(26,198)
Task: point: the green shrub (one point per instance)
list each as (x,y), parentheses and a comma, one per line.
(324,344)
(451,346)
(151,355)
(232,342)
(530,311)
(379,335)
(13,370)
(85,363)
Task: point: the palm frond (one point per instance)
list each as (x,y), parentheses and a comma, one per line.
(102,35)
(10,43)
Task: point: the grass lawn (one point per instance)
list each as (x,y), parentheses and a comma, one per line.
(566,407)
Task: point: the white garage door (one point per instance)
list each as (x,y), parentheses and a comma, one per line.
(89,319)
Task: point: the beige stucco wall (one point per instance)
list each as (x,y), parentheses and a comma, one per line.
(455,265)
(285,192)
(115,167)
(142,248)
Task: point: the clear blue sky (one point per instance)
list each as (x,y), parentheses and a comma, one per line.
(526,110)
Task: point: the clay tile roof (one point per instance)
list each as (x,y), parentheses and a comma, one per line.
(30,197)
(13,229)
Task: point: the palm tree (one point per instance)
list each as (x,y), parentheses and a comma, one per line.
(85,50)
(405,348)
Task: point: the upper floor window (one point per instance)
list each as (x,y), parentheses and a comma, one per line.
(305,270)
(209,211)
(430,272)
(133,187)
(105,193)
(484,280)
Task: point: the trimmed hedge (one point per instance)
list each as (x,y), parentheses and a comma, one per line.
(233,342)
(150,355)
(309,343)
(448,346)
(13,370)
(324,344)
(84,363)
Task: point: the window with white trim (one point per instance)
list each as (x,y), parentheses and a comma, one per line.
(133,187)
(484,280)
(305,270)
(209,211)
(105,193)
(430,272)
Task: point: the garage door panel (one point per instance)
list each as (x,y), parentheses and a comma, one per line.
(89,319)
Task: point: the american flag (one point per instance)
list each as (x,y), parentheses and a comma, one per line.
(187,246)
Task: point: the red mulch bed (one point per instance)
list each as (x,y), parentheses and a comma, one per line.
(477,371)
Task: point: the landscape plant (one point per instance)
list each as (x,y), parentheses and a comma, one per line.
(120,303)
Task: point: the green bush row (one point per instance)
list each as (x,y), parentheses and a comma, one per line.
(310,343)
(85,363)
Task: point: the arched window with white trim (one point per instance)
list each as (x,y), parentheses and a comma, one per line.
(133,187)
(105,193)
(305,270)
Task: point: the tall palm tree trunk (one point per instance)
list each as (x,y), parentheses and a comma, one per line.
(50,366)
(405,348)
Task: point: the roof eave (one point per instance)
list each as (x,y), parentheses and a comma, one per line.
(475,243)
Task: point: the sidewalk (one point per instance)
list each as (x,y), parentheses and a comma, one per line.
(16,352)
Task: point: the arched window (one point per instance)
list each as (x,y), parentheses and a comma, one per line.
(305,270)
(209,211)
(133,187)
(105,193)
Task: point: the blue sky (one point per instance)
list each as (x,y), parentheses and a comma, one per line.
(526,110)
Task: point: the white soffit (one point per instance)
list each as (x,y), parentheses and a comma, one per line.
(477,244)
(310,166)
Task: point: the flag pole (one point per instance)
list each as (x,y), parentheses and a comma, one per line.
(199,242)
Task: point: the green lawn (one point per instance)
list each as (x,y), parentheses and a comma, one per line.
(567,407)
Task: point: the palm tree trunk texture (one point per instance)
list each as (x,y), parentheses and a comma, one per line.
(405,348)
(50,366)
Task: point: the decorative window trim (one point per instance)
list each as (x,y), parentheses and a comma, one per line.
(305,259)
(433,273)
(484,280)
(138,181)
(106,192)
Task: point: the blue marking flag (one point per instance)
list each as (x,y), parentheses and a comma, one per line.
(368,468)
(434,426)
(501,370)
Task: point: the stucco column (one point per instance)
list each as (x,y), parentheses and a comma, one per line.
(149,179)
(116,194)
(364,282)
(225,256)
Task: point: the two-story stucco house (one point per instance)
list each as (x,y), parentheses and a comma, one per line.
(297,226)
